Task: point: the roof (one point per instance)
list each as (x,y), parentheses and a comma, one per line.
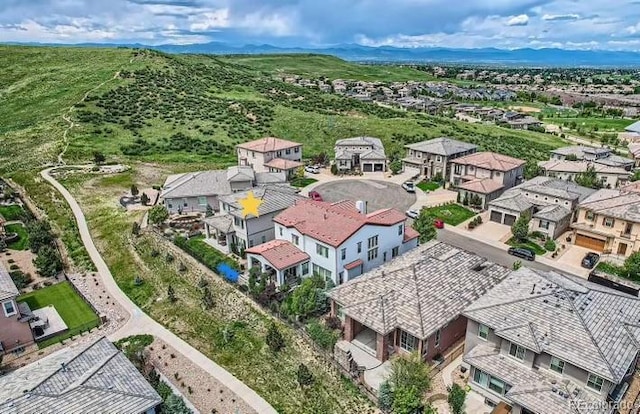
(581,166)
(240,173)
(635,127)
(565,316)
(410,234)
(553,187)
(634,149)
(270,178)
(200,183)
(280,253)
(354,264)
(552,212)
(274,198)
(268,144)
(420,291)
(373,155)
(283,164)
(614,160)
(580,150)
(375,152)
(333,223)
(99,378)
(490,161)
(442,146)
(376,143)
(481,186)
(223,223)
(614,203)
(8,289)
(514,201)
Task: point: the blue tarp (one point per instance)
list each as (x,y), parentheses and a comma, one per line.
(228,272)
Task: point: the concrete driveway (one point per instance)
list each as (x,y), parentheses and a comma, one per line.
(377,194)
(489,230)
(571,258)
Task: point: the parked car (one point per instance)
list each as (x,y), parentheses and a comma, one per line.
(590,260)
(409,187)
(439,224)
(412,214)
(312,169)
(522,253)
(315,196)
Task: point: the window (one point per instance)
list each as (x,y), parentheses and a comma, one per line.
(395,251)
(185,203)
(279,154)
(304,268)
(322,250)
(517,351)
(264,239)
(343,253)
(251,243)
(458,169)
(359,247)
(321,271)
(9,309)
(237,221)
(544,224)
(341,277)
(287,151)
(295,239)
(400,230)
(408,342)
(169,204)
(608,221)
(384,256)
(438,158)
(202,201)
(595,382)
(373,242)
(497,385)
(296,149)
(483,332)
(497,173)
(437,339)
(480,377)
(280,230)
(372,254)
(556,365)
(253,154)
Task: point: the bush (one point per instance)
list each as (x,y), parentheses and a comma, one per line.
(305,377)
(456,398)
(158,215)
(334,169)
(385,397)
(20,279)
(274,338)
(550,245)
(48,261)
(308,299)
(324,337)
(333,322)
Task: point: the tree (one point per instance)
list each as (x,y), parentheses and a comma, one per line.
(410,371)
(158,215)
(424,225)
(305,377)
(589,178)
(274,338)
(385,397)
(407,400)
(135,228)
(632,266)
(171,294)
(207,298)
(520,228)
(636,175)
(39,235)
(134,190)
(209,211)
(465,200)
(456,398)
(144,199)
(99,158)
(395,166)
(308,299)
(334,169)
(48,261)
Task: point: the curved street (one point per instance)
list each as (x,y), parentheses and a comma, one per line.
(141,323)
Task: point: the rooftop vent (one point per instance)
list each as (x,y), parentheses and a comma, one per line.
(533,289)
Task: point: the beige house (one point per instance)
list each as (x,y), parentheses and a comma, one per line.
(485,175)
(363,153)
(611,177)
(271,154)
(432,158)
(608,221)
(634,151)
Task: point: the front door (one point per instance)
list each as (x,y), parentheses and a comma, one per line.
(622,249)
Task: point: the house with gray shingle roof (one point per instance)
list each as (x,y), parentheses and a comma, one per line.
(415,302)
(97,379)
(603,156)
(544,342)
(433,157)
(15,331)
(364,153)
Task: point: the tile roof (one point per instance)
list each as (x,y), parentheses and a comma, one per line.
(580,166)
(566,315)
(515,201)
(615,161)
(409,234)
(97,379)
(420,291)
(8,289)
(634,149)
(490,161)
(614,203)
(635,127)
(280,253)
(268,144)
(283,164)
(376,143)
(442,146)
(353,264)
(333,223)
(580,150)
(240,173)
(552,212)
(223,223)
(274,198)
(481,186)
(373,155)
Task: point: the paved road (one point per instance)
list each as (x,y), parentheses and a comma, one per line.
(141,323)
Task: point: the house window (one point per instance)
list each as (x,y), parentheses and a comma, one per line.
(251,243)
(359,247)
(373,242)
(497,386)
(253,154)
(556,365)
(296,149)
(9,308)
(279,154)
(280,230)
(295,239)
(400,230)
(384,256)
(185,203)
(343,253)
(169,204)
(608,221)
(438,158)
(287,151)
(322,250)
(483,332)
(437,339)
(372,254)
(202,201)
(395,251)
(321,271)
(595,382)
(517,351)
(408,342)
(480,378)
(264,239)
(458,169)
(304,268)
(238,222)
(544,224)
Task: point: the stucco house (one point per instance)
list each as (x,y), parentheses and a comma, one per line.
(271,154)
(15,331)
(414,302)
(611,177)
(341,241)
(363,153)
(485,175)
(543,342)
(603,156)
(433,157)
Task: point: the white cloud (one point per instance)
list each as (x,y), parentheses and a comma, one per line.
(210,20)
(520,20)
(563,17)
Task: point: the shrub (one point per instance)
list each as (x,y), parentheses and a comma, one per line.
(48,261)
(135,228)
(305,377)
(456,398)
(334,169)
(158,215)
(134,190)
(20,279)
(144,199)
(171,294)
(169,258)
(274,338)
(325,338)
(550,245)
(385,397)
(333,322)
(520,228)
(207,298)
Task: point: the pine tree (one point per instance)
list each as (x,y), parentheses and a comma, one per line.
(171,294)
(305,377)
(144,199)
(207,298)
(274,338)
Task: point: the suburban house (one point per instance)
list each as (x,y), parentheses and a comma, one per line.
(550,202)
(363,153)
(608,221)
(542,342)
(523,122)
(611,177)
(485,175)
(603,156)
(634,151)
(229,227)
(432,158)
(194,192)
(338,241)
(96,379)
(15,332)
(632,132)
(271,154)
(415,302)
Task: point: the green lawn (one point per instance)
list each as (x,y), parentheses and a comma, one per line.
(611,269)
(23,242)
(529,245)
(203,252)
(452,214)
(427,186)
(603,124)
(73,310)
(11,212)
(302,182)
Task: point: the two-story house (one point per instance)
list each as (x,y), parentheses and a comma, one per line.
(542,342)
(609,221)
(364,153)
(433,158)
(485,175)
(271,154)
(610,177)
(602,156)
(15,331)
(341,241)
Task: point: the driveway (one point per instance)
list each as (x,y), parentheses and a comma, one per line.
(571,258)
(489,230)
(377,194)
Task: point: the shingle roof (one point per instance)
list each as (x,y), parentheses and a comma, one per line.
(373,155)
(515,201)
(200,183)
(240,173)
(280,253)
(98,379)
(283,164)
(8,289)
(274,198)
(635,127)
(376,143)
(580,150)
(552,212)
(614,203)
(442,146)
(490,161)
(223,223)
(268,144)
(614,161)
(580,166)
(566,316)
(420,291)
(548,186)
(481,186)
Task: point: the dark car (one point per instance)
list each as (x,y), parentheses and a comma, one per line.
(522,253)
(590,260)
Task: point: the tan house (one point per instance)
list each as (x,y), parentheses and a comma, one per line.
(611,177)
(15,331)
(363,153)
(432,158)
(485,175)
(271,154)
(634,151)
(608,221)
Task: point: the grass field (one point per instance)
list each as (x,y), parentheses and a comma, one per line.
(603,124)
(23,241)
(428,185)
(451,214)
(302,182)
(11,212)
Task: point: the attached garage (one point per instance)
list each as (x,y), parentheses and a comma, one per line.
(509,219)
(590,242)
(378,167)
(367,167)
(496,216)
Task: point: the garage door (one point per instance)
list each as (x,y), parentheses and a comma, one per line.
(509,219)
(496,216)
(590,242)
(378,167)
(367,168)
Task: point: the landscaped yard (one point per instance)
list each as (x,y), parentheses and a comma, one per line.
(73,310)
(11,212)
(452,214)
(428,185)
(204,253)
(23,238)
(529,245)
(612,269)
(302,182)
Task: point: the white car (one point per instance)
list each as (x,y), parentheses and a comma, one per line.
(312,169)
(412,214)
(409,187)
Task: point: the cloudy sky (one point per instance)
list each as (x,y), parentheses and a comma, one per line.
(571,24)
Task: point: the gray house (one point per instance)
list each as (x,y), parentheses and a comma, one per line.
(603,156)
(433,157)
(542,342)
(364,153)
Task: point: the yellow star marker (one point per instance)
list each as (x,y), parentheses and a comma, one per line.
(250,205)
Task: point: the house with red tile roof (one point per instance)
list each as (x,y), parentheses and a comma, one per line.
(335,240)
(271,154)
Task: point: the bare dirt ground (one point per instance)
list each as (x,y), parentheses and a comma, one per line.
(528,109)
(24,260)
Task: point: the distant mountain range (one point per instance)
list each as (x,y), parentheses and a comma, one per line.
(359,53)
